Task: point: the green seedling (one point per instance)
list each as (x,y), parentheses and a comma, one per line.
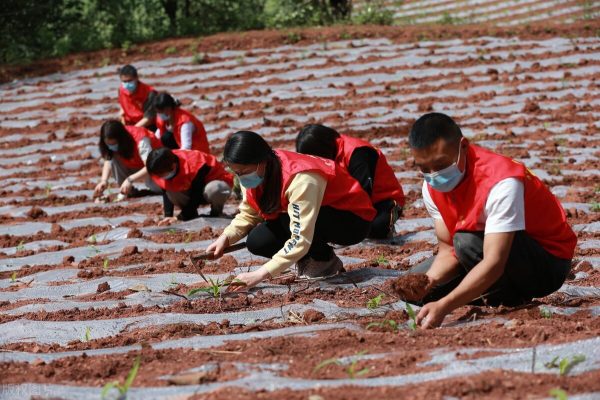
(88,334)
(94,249)
(565,365)
(93,239)
(375,302)
(292,37)
(595,207)
(382,260)
(545,312)
(21,246)
(188,238)
(123,388)
(240,60)
(171,50)
(13,277)
(48,189)
(105,264)
(558,394)
(412,324)
(384,325)
(172,231)
(351,371)
(216,287)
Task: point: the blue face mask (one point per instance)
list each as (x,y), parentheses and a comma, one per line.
(445,180)
(113,147)
(164,117)
(251,180)
(129,86)
(170,175)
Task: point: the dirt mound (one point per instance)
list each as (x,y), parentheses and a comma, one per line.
(412,287)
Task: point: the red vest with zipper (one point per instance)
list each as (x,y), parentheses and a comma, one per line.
(385,184)
(545,219)
(133,103)
(138,133)
(180,117)
(342,193)
(190,162)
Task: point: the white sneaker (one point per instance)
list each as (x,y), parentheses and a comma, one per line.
(311,268)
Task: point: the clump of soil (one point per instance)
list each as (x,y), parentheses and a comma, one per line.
(412,287)
(134,233)
(36,212)
(103,287)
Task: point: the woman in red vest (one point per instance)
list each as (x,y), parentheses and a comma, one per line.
(503,236)
(177,128)
(188,179)
(293,206)
(136,99)
(366,164)
(124,150)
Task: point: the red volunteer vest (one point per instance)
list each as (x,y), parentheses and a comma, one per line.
(385,185)
(180,117)
(133,103)
(343,192)
(545,219)
(190,162)
(137,134)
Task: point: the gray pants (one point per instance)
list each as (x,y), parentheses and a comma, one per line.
(215,193)
(530,270)
(121,172)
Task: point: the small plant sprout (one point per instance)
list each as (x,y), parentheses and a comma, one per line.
(385,324)
(558,394)
(21,246)
(13,277)
(172,231)
(545,312)
(48,189)
(351,370)
(595,207)
(199,58)
(188,238)
(214,290)
(375,302)
(565,365)
(382,260)
(412,323)
(123,388)
(105,264)
(87,335)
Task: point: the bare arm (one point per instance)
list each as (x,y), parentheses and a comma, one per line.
(445,263)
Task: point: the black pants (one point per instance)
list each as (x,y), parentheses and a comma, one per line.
(332,226)
(530,270)
(382,224)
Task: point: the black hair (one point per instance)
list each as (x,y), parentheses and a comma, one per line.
(128,70)
(431,127)
(318,140)
(160,161)
(246,147)
(165,100)
(113,129)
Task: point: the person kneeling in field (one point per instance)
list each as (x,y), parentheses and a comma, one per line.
(188,179)
(136,99)
(293,206)
(503,236)
(366,164)
(125,150)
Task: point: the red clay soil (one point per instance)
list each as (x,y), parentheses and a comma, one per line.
(205,233)
(257,39)
(498,384)
(412,287)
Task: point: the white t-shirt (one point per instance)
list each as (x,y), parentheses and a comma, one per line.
(187,131)
(504,209)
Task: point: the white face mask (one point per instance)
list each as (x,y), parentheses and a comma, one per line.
(445,180)
(164,117)
(170,175)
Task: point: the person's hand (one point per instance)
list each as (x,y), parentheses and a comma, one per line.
(167,221)
(100,188)
(432,315)
(218,246)
(126,187)
(247,280)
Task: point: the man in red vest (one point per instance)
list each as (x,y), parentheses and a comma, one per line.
(503,236)
(188,179)
(136,100)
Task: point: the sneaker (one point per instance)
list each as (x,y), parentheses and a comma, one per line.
(311,268)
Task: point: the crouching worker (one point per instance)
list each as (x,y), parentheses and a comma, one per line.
(124,150)
(366,164)
(503,236)
(178,128)
(188,179)
(293,206)
(136,99)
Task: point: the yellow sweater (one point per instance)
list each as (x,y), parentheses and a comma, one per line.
(304,194)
